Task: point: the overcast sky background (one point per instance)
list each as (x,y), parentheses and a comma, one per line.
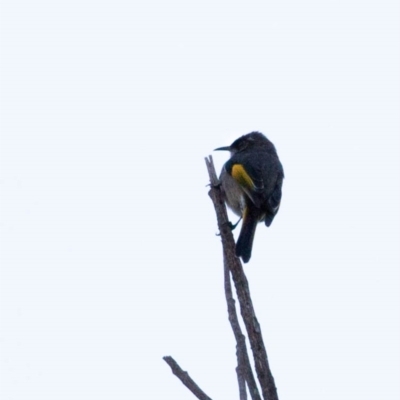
(108,248)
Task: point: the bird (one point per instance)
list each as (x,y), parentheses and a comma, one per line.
(251,182)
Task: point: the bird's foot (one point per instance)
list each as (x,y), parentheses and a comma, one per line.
(231,226)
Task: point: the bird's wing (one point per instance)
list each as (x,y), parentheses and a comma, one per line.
(274,200)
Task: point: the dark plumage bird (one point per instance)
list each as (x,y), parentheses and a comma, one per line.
(252,184)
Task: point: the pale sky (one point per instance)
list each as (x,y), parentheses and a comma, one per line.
(109,258)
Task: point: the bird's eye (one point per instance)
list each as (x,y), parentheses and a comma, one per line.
(242,145)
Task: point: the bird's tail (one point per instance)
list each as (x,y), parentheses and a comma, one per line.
(246,237)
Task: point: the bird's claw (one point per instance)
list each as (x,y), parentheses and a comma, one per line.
(231,226)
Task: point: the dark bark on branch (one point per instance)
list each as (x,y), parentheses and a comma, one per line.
(243,370)
(233,267)
(185,378)
(253,328)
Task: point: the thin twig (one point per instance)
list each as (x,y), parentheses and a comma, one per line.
(241,349)
(185,378)
(253,328)
(244,371)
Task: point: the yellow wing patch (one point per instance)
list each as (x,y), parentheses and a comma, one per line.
(240,175)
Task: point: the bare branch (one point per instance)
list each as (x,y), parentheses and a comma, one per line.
(243,370)
(253,328)
(185,378)
(241,379)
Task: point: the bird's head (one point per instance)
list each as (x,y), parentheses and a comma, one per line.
(252,140)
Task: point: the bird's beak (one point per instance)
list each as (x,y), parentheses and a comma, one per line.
(225,148)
